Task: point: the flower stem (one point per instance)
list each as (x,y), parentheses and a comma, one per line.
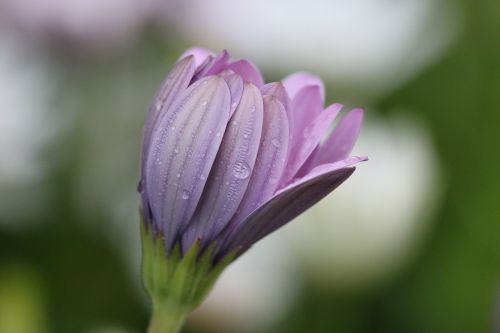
(166,318)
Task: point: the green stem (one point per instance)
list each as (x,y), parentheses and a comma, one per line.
(166,318)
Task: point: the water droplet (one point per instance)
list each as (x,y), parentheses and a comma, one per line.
(252,109)
(176,150)
(204,103)
(158,105)
(276,142)
(241,170)
(217,134)
(202,177)
(185,194)
(173,128)
(178,175)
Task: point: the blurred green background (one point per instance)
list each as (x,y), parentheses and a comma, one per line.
(76,79)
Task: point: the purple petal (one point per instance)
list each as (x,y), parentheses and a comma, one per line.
(183,148)
(289,203)
(199,54)
(248,71)
(231,171)
(270,160)
(310,139)
(339,145)
(277,90)
(296,81)
(176,81)
(235,83)
(306,106)
(219,63)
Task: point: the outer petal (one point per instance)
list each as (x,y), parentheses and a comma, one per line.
(339,145)
(199,54)
(176,81)
(248,71)
(296,81)
(235,83)
(289,203)
(309,140)
(270,161)
(183,148)
(231,171)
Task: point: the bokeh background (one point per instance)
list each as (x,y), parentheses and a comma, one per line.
(411,243)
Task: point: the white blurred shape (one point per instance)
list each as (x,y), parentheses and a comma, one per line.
(97,23)
(369,45)
(366,230)
(254,292)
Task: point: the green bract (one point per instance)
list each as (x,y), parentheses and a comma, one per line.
(175,283)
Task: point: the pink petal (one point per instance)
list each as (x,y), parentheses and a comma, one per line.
(296,81)
(309,140)
(340,144)
(306,106)
(199,54)
(248,71)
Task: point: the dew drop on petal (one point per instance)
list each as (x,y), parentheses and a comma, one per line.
(185,194)
(241,170)
(204,103)
(276,142)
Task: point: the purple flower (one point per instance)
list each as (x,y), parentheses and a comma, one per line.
(228,159)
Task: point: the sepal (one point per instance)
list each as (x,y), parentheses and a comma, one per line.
(177,279)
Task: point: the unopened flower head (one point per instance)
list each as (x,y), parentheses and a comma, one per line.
(228,159)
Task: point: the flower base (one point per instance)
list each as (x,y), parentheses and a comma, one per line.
(176,283)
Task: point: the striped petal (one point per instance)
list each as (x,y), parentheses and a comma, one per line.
(270,160)
(248,71)
(296,81)
(277,90)
(183,148)
(235,83)
(290,202)
(176,81)
(340,144)
(309,140)
(231,171)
